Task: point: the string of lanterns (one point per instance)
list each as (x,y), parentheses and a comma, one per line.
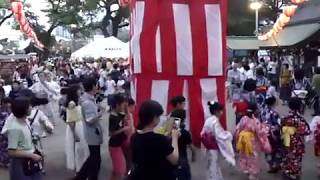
(283,20)
(17,9)
(124,3)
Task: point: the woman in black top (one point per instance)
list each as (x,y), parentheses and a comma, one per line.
(118,137)
(153,155)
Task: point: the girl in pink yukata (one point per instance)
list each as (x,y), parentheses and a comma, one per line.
(251,138)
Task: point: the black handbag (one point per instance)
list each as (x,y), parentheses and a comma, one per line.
(29,166)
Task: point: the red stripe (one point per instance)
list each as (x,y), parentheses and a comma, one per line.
(221,79)
(168,39)
(221,93)
(196,110)
(148,38)
(199,38)
(143,91)
(175,89)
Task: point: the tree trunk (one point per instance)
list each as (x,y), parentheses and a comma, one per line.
(5,18)
(105,22)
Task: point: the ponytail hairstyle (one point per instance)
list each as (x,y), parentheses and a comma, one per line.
(252,108)
(214,107)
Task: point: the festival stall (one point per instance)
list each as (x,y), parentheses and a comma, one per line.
(110,47)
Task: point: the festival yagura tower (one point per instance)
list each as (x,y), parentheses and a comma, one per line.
(178,47)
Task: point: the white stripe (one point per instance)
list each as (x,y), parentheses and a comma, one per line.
(181,13)
(133,89)
(135,42)
(214,35)
(208,93)
(159,93)
(158,51)
(186,95)
(132,16)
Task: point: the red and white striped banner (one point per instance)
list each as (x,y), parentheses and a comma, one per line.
(178,48)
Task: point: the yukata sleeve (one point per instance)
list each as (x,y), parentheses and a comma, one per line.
(224,141)
(240,126)
(304,128)
(262,137)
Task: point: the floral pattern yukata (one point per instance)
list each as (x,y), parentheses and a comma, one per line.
(272,119)
(4,157)
(258,141)
(294,129)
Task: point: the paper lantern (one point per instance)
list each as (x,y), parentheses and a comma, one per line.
(290,10)
(284,20)
(263,37)
(124,3)
(297,1)
(16,7)
(23,20)
(277,26)
(270,34)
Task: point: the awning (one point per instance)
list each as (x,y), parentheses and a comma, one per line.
(243,43)
(290,36)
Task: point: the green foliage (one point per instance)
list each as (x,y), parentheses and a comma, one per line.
(4,4)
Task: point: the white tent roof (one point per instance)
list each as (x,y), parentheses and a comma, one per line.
(110,47)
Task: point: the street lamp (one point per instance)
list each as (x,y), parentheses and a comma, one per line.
(256,5)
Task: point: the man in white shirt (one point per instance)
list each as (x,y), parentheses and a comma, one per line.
(234,79)
(110,86)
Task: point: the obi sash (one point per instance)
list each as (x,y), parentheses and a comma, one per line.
(209,141)
(244,144)
(287,132)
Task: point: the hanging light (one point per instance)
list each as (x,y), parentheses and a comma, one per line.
(297,1)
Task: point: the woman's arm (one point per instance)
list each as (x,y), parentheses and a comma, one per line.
(113,133)
(22,154)
(173,158)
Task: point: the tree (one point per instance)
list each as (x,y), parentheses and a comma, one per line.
(5,13)
(115,20)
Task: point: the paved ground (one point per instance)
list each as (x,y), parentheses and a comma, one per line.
(56,170)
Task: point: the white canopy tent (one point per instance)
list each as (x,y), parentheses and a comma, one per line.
(110,47)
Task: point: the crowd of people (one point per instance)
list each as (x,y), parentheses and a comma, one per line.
(74,94)
(255,90)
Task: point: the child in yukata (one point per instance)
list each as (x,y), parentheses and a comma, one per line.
(251,138)
(217,141)
(294,129)
(271,118)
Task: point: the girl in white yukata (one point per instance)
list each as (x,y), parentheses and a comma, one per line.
(314,138)
(217,141)
(76,148)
